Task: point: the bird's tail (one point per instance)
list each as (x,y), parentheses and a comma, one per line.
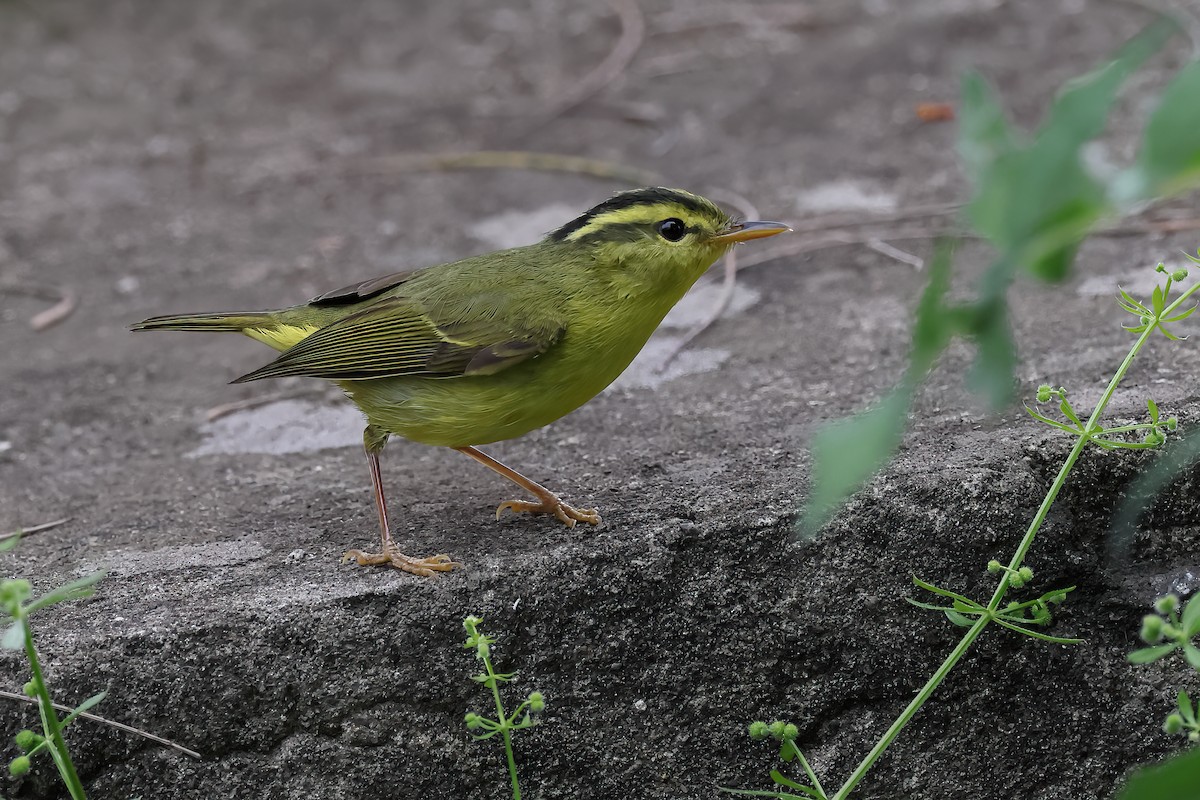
(218,321)
(277,329)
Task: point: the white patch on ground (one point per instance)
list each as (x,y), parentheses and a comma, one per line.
(644,372)
(696,304)
(1139,282)
(517,228)
(846,195)
(209,555)
(289,426)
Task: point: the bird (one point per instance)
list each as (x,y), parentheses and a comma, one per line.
(491,347)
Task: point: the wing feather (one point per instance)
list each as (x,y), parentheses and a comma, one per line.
(398,336)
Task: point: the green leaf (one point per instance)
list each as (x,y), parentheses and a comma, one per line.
(1035,202)
(1182,316)
(10,541)
(1177,457)
(1153,406)
(784,780)
(929,587)
(14,636)
(847,452)
(1148,654)
(1185,706)
(1069,413)
(991,373)
(75,590)
(983,133)
(927,606)
(766,793)
(1177,778)
(958,619)
(1191,616)
(1045,637)
(81,708)
(1192,654)
(1169,161)
(1131,305)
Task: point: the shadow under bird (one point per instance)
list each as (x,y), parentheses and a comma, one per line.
(491,347)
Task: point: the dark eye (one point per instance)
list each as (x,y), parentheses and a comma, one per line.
(671,229)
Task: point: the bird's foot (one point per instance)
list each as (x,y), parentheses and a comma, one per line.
(551,505)
(391,556)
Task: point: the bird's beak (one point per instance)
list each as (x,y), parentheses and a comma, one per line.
(745,231)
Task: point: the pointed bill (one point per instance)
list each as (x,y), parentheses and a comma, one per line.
(745,231)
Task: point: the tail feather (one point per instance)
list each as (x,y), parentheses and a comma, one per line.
(219,321)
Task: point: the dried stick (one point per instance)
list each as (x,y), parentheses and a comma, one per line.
(104,720)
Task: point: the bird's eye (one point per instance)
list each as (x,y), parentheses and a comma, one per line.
(671,229)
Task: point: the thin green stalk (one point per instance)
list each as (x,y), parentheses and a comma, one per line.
(808,770)
(912,708)
(1018,557)
(504,730)
(62,757)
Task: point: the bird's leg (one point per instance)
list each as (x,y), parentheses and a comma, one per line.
(374,438)
(548,501)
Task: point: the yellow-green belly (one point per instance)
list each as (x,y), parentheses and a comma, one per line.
(475,410)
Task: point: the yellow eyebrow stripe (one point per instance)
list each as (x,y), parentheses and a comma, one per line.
(640,214)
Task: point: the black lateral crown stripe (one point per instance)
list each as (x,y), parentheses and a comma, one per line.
(638,197)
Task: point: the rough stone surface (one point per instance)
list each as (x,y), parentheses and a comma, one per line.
(168,156)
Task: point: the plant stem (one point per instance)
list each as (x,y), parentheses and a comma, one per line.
(502,718)
(971,635)
(912,708)
(50,721)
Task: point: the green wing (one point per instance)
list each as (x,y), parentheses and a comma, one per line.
(397,336)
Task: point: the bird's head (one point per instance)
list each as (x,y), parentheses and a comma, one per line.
(659,234)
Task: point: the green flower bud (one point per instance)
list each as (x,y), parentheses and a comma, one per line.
(30,689)
(483,649)
(1172,423)
(1179,274)
(18,766)
(1161,267)
(1026,574)
(27,740)
(1173,724)
(471,622)
(775,729)
(790,732)
(537,702)
(1194,737)
(995,566)
(1043,393)
(1152,629)
(758,730)
(1166,604)
(474,721)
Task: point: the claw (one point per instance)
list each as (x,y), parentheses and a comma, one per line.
(425,567)
(552,505)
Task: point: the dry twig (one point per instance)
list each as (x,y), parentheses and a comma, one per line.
(23,532)
(225,409)
(504,159)
(104,720)
(64,302)
(633,33)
